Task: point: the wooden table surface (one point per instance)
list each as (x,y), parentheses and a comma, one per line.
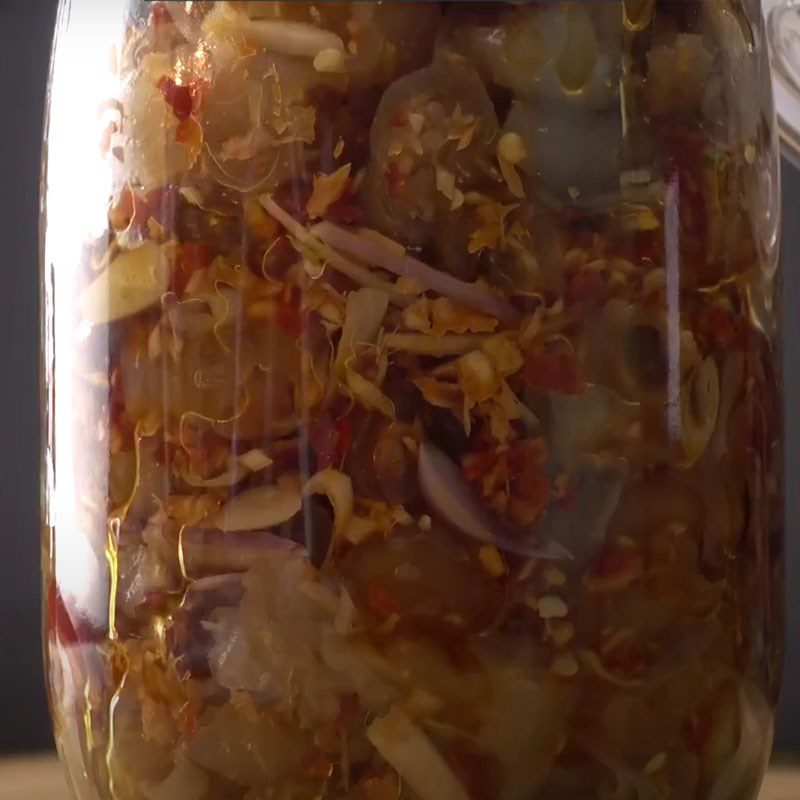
(40,778)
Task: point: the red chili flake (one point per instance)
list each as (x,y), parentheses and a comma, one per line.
(378,785)
(530,495)
(629,659)
(399,118)
(192,257)
(188,133)
(585,287)
(323,438)
(291,316)
(552,370)
(526,456)
(344,438)
(291,319)
(330,439)
(718,327)
(159,14)
(67,625)
(615,569)
(184,131)
(58,618)
(190,719)
(318,766)
(380,601)
(351,712)
(476,465)
(532,487)
(179,96)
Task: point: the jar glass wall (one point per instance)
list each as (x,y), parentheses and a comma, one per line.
(412,417)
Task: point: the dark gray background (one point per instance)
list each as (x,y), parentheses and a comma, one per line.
(25,31)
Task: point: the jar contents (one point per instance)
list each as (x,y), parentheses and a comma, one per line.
(428,384)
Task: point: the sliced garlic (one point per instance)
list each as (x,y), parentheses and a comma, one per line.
(511,147)
(259,508)
(134,280)
(699,408)
(331,59)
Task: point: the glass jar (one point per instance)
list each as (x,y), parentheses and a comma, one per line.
(412,400)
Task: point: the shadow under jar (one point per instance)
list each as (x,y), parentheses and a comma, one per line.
(412,407)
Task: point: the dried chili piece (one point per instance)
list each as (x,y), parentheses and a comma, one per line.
(181,97)
(586,287)
(615,568)
(381,601)
(552,369)
(159,14)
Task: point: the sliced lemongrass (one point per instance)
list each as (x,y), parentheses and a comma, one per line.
(373,252)
(355,272)
(427,344)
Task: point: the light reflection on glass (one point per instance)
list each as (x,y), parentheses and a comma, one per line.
(78,185)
